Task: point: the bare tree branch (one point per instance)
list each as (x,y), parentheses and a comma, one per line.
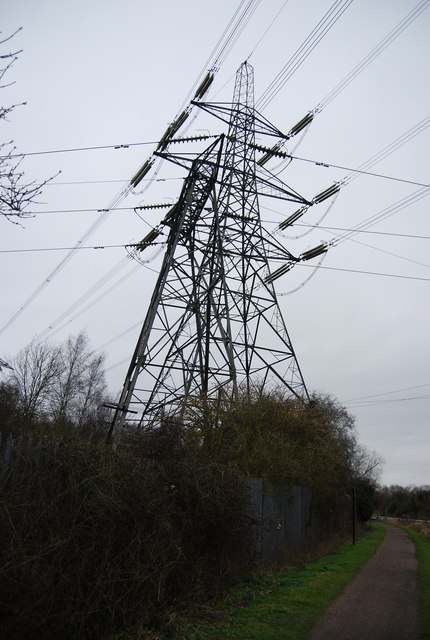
(15,195)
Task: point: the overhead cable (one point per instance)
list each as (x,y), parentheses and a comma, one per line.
(353,173)
(411,133)
(45,249)
(228,38)
(362,169)
(305,49)
(60,266)
(309,226)
(368,273)
(99,147)
(376,403)
(268,28)
(236,29)
(372,55)
(88,294)
(389,253)
(364,63)
(120,335)
(102,147)
(377,233)
(386,393)
(387,212)
(61,322)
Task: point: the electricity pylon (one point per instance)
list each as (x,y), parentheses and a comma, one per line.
(213,324)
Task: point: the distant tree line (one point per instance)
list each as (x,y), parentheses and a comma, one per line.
(403,502)
(60,385)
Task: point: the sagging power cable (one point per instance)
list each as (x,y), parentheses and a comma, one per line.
(305,49)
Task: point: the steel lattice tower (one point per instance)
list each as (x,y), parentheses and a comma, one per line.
(213,323)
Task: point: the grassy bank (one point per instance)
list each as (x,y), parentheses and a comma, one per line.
(422,547)
(282,604)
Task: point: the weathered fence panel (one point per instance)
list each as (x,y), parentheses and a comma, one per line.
(279,515)
(280,519)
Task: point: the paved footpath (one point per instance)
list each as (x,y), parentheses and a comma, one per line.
(381,602)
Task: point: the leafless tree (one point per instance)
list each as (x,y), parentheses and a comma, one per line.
(35,371)
(73,362)
(93,391)
(80,386)
(16,194)
(4,365)
(62,384)
(366,464)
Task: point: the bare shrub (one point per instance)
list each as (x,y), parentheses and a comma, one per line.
(94,541)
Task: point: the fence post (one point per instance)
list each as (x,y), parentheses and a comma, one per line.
(354,513)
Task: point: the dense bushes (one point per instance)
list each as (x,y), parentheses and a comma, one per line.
(92,541)
(269,436)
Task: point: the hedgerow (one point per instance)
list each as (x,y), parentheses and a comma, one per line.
(93,541)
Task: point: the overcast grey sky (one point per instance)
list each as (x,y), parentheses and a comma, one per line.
(98,73)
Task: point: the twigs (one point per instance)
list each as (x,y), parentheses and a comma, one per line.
(111,539)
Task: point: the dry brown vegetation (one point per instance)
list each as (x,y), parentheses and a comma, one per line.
(92,541)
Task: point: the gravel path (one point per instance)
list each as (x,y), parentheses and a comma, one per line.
(381,602)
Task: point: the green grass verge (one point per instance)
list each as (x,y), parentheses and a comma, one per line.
(422,548)
(288,603)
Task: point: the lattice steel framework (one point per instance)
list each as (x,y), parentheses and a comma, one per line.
(213,322)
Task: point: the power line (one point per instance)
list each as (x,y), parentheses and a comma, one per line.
(100,147)
(386,393)
(372,220)
(233,32)
(362,65)
(316,162)
(75,182)
(117,364)
(408,135)
(268,28)
(60,266)
(377,233)
(392,209)
(94,210)
(113,339)
(377,403)
(123,246)
(120,335)
(390,253)
(226,42)
(80,248)
(61,323)
(78,149)
(356,231)
(368,273)
(106,210)
(360,171)
(372,55)
(308,45)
